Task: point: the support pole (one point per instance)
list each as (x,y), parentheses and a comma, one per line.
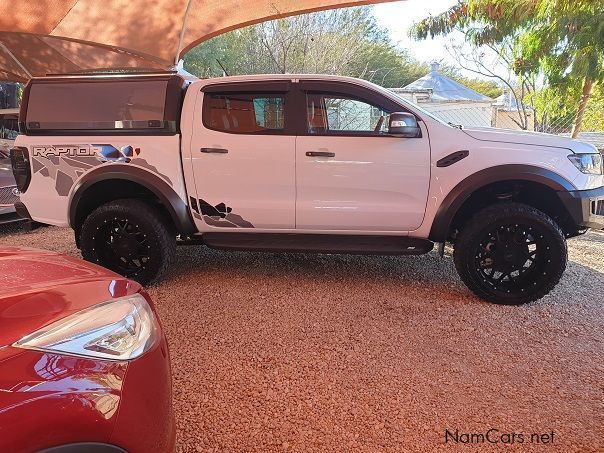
(182,32)
(15,59)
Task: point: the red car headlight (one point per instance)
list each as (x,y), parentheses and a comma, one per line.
(119,329)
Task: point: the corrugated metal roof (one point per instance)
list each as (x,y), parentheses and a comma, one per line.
(445,89)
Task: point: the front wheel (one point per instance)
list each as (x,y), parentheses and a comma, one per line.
(510,254)
(129,237)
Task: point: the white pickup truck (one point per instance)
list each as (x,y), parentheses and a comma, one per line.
(297,163)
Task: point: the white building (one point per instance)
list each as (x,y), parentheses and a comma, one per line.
(508,113)
(448,99)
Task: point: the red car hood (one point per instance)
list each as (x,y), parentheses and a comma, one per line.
(39,287)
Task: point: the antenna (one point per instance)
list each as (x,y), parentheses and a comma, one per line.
(222,67)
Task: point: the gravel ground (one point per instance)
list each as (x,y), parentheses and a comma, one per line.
(348,353)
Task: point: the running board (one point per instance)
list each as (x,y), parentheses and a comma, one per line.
(318,243)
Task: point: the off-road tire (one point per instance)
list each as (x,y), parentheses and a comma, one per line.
(130,237)
(500,237)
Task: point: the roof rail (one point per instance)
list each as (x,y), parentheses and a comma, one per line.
(115,72)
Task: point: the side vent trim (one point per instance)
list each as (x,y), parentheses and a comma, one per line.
(452,158)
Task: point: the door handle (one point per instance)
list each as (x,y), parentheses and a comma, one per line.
(320,154)
(214,150)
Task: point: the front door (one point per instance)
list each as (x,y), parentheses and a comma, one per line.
(351,175)
(243,157)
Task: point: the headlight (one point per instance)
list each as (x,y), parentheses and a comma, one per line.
(590,164)
(120,329)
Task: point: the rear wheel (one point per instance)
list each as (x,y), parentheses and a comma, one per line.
(510,254)
(129,237)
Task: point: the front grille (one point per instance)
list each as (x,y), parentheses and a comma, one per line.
(7,196)
(597,207)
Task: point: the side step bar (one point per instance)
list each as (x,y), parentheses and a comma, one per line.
(318,243)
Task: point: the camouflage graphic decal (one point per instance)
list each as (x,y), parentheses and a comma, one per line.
(63,171)
(221,216)
(195,208)
(66,163)
(127,154)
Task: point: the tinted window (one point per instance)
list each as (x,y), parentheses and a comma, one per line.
(9,126)
(330,113)
(244,113)
(97,105)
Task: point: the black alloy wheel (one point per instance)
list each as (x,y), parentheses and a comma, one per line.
(129,237)
(511,254)
(123,247)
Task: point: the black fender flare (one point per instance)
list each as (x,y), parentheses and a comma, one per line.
(178,209)
(462,191)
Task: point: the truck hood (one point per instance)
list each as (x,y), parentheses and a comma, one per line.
(39,287)
(529,138)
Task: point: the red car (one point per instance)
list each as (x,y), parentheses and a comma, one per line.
(84,364)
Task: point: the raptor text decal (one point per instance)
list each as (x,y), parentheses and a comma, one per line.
(65,150)
(67,163)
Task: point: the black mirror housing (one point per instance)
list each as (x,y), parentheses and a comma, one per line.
(403,124)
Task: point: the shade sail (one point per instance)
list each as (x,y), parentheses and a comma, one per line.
(23,56)
(59,36)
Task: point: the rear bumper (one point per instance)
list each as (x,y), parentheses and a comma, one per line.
(586,207)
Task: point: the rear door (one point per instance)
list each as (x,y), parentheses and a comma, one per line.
(243,157)
(351,175)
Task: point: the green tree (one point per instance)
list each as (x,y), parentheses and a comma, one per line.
(326,42)
(345,42)
(205,60)
(486,87)
(561,39)
(594,113)
(557,107)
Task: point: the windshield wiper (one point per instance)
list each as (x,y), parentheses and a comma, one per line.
(458,126)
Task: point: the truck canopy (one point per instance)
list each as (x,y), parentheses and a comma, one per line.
(93,105)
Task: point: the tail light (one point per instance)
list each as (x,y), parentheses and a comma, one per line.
(19,157)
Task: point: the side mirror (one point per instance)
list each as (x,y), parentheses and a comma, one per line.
(404,124)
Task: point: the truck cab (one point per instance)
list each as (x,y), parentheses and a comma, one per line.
(316,163)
